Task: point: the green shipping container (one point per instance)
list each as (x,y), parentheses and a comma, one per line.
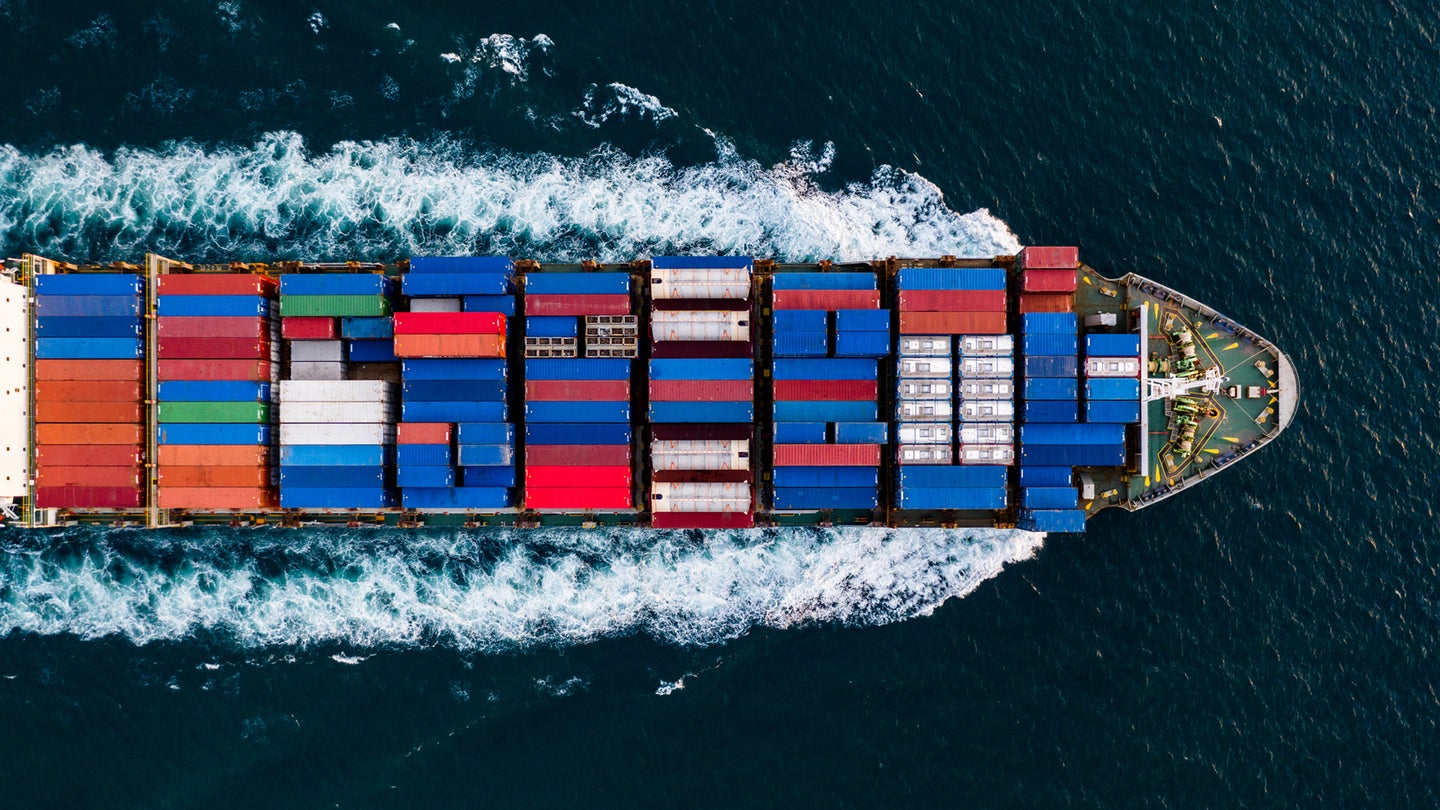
(250,413)
(334,306)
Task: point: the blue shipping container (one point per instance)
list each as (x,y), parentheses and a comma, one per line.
(1055,323)
(212,306)
(1112,388)
(552,326)
(371,351)
(1045,476)
(924,476)
(1072,434)
(800,320)
(823,281)
(950,498)
(485,433)
(829,411)
(577,283)
(487,476)
(575,411)
(1072,455)
(862,433)
(461,264)
(827,477)
(454,391)
(335,455)
(800,433)
(862,320)
(417,411)
(92,306)
(951,278)
(414,476)
(1052,410)
(424,455)
(420,285)
(1050,366)
(336,498)
(612,433)
(1049,497)
(452,369)
(458,498)
(1063,521)
(367,328)
(701,412)
(504,304)
(701,262)
(485,455)
(335,284)
(123,284)
(1051,343)
(790,343)
(862,344)
(227,434)
(826,498)
(824,369)
(371,476)
(94,348)
(578,369)
(1122,411)
(1112,345)
(1052,388)
(213,391)
(703,369)
(66,327)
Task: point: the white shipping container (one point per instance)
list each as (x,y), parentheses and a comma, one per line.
(435,304)
(699,325)
(991,345)
(709,490)
(925,367)
(1112,367)
(723,283)
(337,391)
(317,371)
(1100,319)
(336,433)
(988,433)
(326,412)
(924,410)
(987,410)
(987,389)
(694,460)
(923,389)
(317,351)
(922,433)
(992,367)
(921,454)
(925,346)
(987,454)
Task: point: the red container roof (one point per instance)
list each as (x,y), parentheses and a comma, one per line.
(576,476)
(449,323)
(577,390)
(577,455)
(828,300)
(245,326)
(310,328)
(827,390)
(951,301)
(215,284)
(1050,280)
(702,390)
(827,455)
(576,305)
(578,497)
(424,432)
(1037,257)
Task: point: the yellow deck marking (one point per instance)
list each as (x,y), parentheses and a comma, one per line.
(1231,439)
(1231,346)
(1212,336)
(1147,480)
(1211,451)
(1087,279)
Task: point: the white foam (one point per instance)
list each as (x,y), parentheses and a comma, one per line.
(601,104)
(393,198)
(489,591)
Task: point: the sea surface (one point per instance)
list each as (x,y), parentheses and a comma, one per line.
(1271,639)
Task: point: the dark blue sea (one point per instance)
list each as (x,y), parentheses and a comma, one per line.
(1271,639)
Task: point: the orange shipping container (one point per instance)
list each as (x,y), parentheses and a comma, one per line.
(215,498)
(450,346)
(827,455)
(952,323)
(87,433)
(87,391)
(214,284)
(88,476)
(83,455)
(423,433)
(1046,302)
(214,476)
(51,412)
(226,455)
(128,370)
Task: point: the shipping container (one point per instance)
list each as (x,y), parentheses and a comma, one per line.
(424,433)
(702,476)
(577,497)
(925,368)
(467,499)
(924,433)
(211,306)
(503,304)
(1072,455)
(826,389)
(334,306)
(424,455)
(985,389)
(367,328)
(989,367)
(1052,388)
(208,391)
(214,284)
(951,497)
(800,320)
(253,327)
(1101,345)
(81,455)
(1046,257)
(453,369)
(571,412)
(580,433)
(371,351)
(335,284)
(987,433)
(448,284)
(453,304)
(862,432)
(218,455)
(335,455)
(1050,281)
(89,433)
(825,476)
(577,369)
(186,348)
(552,327)
(480,346)
(1055,521)
(462,264)
(336,498)
(702,391)
(986,345)
(923,389)
(862,320)
(714,456)
(731,412)
(418,411)
(824,369)
(1045,476)
(485,455)
(55,391)
(407,476)
(239,370)
(241,477)
(952,323)
(219,412)
(1052,410)
(1112,367)
(449,323)
(117,284)
(1039,365)
(924,410)
(862,344)
(322,476)
(337,391)
(485,433)
(827,455)
(826,411)
(800,433)
(312,434)
(951,300)
(576,476)
(487,477)
(216,498)
(808,498)
(578,455)
(1064,323)
(454,390)
(823,281)
(577,305)
(699,325)
(985,410)
(830,300)
(215,433)
(577,283)
(317,372)
(986,454)
(1116,388)
(951,278)
(310,328)
(577,391)
(88,348)
(926,346)
(90,306)
(800,344)
(1049,497)
(701,349)
(1113,410)
(53,476)
(339,412)
(916,455)
(707,369)
(927,477)
(88,497)
(67,327)
(1059,345)
(1032,302)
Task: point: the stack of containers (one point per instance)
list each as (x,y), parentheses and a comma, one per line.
(1051,441)
(925,400)
(89,402)
(337,435)
(577,395)
(829,333)
(951,300)
(457,444)
(1049,278)
(218,351)
(369,339)
(1112,385)
(701,393)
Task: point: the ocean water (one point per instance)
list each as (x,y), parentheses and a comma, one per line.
(1269,639)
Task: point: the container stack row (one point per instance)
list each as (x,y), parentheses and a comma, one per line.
(89,399)
(951,300)
(456,438)
(563,308)
(702,405)
(218,360)
(828,337)
(1112,384)
(1051,440)
(1048,278)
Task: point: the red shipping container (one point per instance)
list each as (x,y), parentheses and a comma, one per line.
(310,328)
(48,412)
(1047,302)
(577,305)
(172,326)
(702,476)
(577,455)
(952,323)
(449,323)
(214,476)
(70,433)
(703,520)
(577,391)
(47,476)
(450,346)
(827,390)
(1050,280)
(190,348)
(1050,258)
(702,390)
(215,284)
(246,370)
(951,301)
(92,390)
(715,432)
(226,455)
(827,455)
(424,433)
(128,370)
(223,498)
(575,476)
(694,349)
(828,300)
(578,497)
(88,497)
(84,455)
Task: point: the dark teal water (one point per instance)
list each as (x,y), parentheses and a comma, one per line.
(1268,640)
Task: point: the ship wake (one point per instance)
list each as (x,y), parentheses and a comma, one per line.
(491,590)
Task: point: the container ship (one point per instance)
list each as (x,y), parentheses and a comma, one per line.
(716,392)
